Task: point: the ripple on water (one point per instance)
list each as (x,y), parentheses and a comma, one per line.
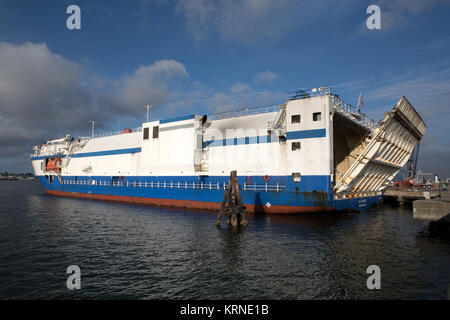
(138,252)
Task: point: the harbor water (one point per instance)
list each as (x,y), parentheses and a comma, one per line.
(138,252)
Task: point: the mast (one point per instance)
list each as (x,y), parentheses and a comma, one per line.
(359,101)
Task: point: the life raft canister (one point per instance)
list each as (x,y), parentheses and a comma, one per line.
(266,178)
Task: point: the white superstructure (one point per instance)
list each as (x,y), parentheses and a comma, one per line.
(312,143)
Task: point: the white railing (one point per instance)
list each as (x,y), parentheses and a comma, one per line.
(350,112)
(117,132)
(57,154)
(55,150)
(308,93)
(245,112)
(173,185)
(39,152)
(291,95)
(344,108)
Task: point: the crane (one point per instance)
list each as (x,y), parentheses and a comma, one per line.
(411,165)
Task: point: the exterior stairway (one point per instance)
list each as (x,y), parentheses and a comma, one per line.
(278,125)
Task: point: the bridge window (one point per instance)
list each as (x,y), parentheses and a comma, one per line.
(317,116)
(296,146)
(156,132)
(146,133)
(295,118)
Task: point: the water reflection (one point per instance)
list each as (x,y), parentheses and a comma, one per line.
(322,220)
(131,251)
(231,241)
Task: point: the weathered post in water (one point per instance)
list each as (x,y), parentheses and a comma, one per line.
(235,211)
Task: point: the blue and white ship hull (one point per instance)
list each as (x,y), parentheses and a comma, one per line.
(311,154)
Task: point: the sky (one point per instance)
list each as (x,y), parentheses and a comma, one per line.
(204,57)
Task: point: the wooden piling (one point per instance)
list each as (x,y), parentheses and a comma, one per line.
(235,210)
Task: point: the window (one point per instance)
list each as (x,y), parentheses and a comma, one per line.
(317,116)
(146,133)
(296,146)
(296,176)
(295,118)
(156,132)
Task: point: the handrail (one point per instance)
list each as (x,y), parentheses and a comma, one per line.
(350,111)
(115,133)
(246,111)
(308,93)
(173,185)
(38,151)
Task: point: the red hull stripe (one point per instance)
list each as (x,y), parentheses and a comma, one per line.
(203,205)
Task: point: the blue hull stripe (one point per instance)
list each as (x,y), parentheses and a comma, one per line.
(304,134)
(177,119)
(307,134)
(106,153)
(94,154)
(43,157)
(239,141)
(312,191)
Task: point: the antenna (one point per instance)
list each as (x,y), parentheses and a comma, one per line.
(93,126)
(148,109)
(359,101)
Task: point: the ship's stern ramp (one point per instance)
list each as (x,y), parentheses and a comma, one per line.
(382,153)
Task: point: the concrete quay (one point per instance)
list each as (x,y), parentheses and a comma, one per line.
(430,210)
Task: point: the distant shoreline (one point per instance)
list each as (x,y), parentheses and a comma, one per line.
(17,179)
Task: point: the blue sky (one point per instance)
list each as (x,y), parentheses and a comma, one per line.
(202,56)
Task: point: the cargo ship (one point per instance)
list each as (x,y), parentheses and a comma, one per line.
(312,153)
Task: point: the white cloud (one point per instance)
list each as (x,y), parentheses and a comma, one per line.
(43,95)
(38,87)
(265,77)
(239,88)
(427,87)
(428,90)
(146,85)
(199,15)
(257,21)
(240,95)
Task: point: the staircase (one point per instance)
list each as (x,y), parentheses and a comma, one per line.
(277,126)
(74,147)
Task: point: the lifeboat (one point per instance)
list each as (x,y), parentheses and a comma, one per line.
(53,165)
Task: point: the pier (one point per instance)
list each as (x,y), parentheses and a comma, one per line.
(428,205)
(437,212)
(430,210)
(409,195)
